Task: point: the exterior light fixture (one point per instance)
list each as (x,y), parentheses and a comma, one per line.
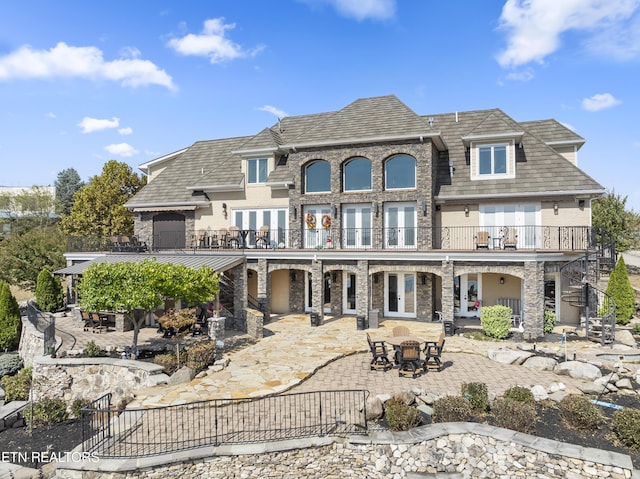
(466,210)
(424,207)
(376,208)
(224,210)
(335,211)
(292,275)
(581,203)
(375,278)
(501,279)
(295,212)
(423,278)
(555,208)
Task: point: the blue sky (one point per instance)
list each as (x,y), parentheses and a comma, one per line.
(85,82)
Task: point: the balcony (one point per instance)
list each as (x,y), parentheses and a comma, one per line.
(449,238)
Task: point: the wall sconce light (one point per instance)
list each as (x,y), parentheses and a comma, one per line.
(424,207)
(581,203)
(376,208)
(501,279)
(423,278)
(335,211)
(438,207)
(466,210)
(555,208)
(224,210)
(295,212)
(334,277)
(292,275)
(249,274)
(375,278)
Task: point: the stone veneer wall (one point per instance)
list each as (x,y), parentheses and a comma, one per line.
(31,343)
(255,321)
(90,378)
(143,225)
(460,450)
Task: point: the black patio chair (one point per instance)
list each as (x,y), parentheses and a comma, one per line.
(380,358)
(409,358)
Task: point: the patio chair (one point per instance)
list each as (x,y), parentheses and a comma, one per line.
(115,244)
(482,240)
(400,331)
(96,322)
(432,353)
(509,238)
(137,245)
(409,358)
(125,243)
(86,318)
(223,238)
(262,238)
(380,358)
(234,237)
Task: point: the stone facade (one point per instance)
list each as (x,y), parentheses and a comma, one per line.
(31,343)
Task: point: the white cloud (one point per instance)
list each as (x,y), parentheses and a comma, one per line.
(534,26)
(125,131)
(51,115)
(600,101)
(273,110)
(523,76)
(89,125)
(65,61)
(212,43)
(121,149)
(363,9)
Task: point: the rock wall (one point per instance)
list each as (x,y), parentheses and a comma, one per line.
(31,343)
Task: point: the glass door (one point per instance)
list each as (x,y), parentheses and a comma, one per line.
(315,236)
(349,293)
(400,225)
(400,297)
(467,302)
(356,232)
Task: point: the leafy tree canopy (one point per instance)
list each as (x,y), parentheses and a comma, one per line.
(67,183)
(98,207)
(23,256)
(610,213)
(30,208)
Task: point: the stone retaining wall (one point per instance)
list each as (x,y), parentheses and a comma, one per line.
(460,450)
(31,343)
(90,378)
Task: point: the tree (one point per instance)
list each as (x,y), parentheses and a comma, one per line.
(610,213)
(620,289)
(30,208)
(98,207)
(49,295)
(10,325)
(23,256)
(141,287)
(67,183)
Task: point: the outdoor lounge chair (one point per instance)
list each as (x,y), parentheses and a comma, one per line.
(482,240)
(432,353)
(86,318)
(409,358)
(380,358)
(96,323)
(234,237)
(509,238)
(400,331)
(262,238)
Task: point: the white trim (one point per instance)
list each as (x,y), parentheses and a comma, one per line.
(145,166)
(510,161)
(345,278)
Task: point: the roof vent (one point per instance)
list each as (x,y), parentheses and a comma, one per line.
(430,122)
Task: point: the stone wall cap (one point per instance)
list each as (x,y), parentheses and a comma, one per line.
(126,363)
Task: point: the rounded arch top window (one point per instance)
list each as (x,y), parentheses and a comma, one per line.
(317,177)
(400,172)
(357,174)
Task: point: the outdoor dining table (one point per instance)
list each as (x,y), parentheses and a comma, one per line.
(396,341)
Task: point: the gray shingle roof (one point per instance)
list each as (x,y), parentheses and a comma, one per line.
(551,131)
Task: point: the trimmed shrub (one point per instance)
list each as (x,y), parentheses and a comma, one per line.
(201,355)
(10,364)
(496,321)
(515,415)
(16,388)
(581,413)
(626,425)
(45,412)
(401,417)
(169,362)
(49,294)
(451,409)
(77,405)
(549,321)
(520,394)
(477,394)
(178,320)
(620,289)
(10,325)
(93,350)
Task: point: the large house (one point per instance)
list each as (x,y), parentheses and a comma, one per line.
(376,211)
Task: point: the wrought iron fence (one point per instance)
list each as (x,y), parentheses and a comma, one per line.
(145,432)
(44,323)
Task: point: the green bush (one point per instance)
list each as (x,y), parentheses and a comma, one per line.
(45,412)
(77,405)
(549,321)
(636,328)
(514,415)
(496,321)
(16,388)
(10,325)
(49,294)
(168,361)
(10,364)
(401,417)
(178,319)
(581,413)
(201,355)
(626,425)
(93,350)
(620,289)
(451,409)
(477,394)
(520,394)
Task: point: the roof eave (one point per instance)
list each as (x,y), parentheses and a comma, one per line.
(529,194)
(255,152)
(517,135)
(436,137)
(145,166)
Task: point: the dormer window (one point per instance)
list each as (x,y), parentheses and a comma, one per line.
(492,161)
(257,170)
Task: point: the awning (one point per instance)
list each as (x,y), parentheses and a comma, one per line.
(219,263)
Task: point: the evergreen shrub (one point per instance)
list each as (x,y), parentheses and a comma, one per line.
(496,321)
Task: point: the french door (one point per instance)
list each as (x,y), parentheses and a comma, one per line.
(308,293)
(356,226)
(349,293)
(400,225)
(314,234)
(400,295)
(523,218)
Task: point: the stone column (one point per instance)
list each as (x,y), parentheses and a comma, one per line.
(362,288)
(215,328)
(317,285)
(240,296)
(263,289)
(533,314)
(447,290)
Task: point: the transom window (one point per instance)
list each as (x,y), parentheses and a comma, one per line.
(357,175)
(400,172)
(257,170)
(492,160)
(317,177)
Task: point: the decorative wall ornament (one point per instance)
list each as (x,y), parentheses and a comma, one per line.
(326,221)
(311,221)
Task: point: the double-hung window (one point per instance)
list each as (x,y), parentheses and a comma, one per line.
(492,160)
(257,170)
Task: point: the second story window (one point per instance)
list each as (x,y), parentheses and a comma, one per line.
(317,177)
(400,172)
(492,160)
(357,175)
(257,170)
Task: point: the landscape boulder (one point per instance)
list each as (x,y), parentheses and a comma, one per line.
(540,363)
(578,370)
(182,375)
(625,337)
(375,409)
(508,356)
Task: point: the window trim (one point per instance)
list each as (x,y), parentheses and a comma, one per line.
(344,174)
(306,176)
(254,163)
(510,160)
(415,173)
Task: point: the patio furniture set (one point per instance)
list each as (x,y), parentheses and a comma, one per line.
(412,355)
(508,238)
(97,322)
(232,238)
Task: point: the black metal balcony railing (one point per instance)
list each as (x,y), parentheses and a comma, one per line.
(447,238)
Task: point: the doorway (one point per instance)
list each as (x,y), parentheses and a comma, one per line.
(400,295)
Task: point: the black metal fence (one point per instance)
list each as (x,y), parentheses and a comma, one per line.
(44,323)
(145,432)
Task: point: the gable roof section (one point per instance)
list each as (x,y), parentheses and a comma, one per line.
(553,132)
(494,125)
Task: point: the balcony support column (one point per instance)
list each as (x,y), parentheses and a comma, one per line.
(447,290)
(317,285)
(533,300)
(362,288)
(263,289)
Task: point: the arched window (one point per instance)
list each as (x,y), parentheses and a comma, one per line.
(317,177)
(400,172)
(357,174)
